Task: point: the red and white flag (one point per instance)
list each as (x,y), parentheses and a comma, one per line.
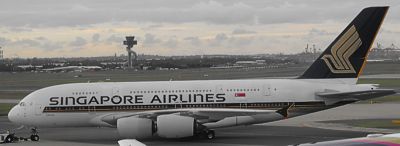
(242,94)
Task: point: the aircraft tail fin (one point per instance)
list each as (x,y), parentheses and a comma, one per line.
(345,57)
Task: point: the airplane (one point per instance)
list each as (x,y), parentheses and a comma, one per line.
(178,109)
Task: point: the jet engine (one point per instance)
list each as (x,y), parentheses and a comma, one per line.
(134,127)
(175,126)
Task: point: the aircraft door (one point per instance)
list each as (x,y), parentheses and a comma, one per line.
(219,89)
(24,111)
(266,91)
(115,91)
(38,109)
(23,108)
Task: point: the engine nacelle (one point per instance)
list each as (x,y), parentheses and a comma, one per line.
(175,126)
(133,127)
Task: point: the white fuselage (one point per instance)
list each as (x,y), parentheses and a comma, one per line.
(83,104)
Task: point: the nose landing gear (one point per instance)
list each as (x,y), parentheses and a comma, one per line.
(34,134)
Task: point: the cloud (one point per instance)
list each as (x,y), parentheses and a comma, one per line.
(41,38)
(90,12)
(205,26)
(172,42)
(195,41)
(114,39)
(383,30)
(27,43)
(41,43)
(50,46)
(219,39)
(319,36)
(20,29)
(4,41)
(150,39)
(78,42)
(318,32)
(96,38)
(240,42)
(152,27)
(240,31)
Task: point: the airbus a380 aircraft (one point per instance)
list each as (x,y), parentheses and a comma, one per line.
(176,109)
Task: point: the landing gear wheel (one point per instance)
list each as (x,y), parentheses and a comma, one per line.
(210,134)
(35,137)
(9,139)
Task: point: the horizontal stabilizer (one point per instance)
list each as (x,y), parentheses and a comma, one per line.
(333,97)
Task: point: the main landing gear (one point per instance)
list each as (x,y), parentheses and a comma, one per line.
(11,137)
(207,134)
(7,138)
(210,134)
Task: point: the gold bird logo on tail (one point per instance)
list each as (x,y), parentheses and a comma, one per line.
(338,61)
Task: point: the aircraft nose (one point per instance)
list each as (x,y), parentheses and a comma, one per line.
(13,114)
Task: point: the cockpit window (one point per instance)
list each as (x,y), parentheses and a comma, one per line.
(22,104)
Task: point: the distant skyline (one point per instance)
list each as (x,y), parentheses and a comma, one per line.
(76,28)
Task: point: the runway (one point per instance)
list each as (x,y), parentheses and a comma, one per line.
(247,135)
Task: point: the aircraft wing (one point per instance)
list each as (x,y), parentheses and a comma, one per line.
(202,115)
(370,140)
(334,96)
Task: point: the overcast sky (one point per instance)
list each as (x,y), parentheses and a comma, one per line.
(73,28)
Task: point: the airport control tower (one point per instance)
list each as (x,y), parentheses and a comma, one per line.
(130,42)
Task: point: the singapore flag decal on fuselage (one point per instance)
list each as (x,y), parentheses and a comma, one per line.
(176,109)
